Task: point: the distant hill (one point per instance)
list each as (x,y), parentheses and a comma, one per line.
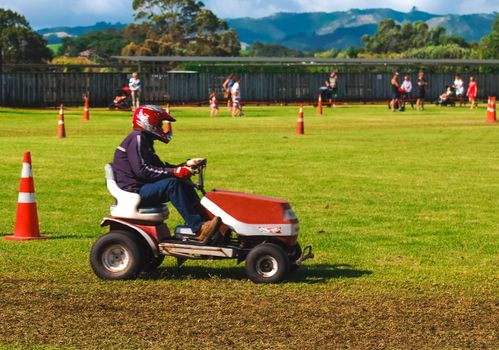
(319,30)
(55,34)
(323,30)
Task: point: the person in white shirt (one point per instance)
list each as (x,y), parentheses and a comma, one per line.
(135,86)
(407,87)
(459,89)
(236,98)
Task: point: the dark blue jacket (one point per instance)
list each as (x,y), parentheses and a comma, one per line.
(136,163)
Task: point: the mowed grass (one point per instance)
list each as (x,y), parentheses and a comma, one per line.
(401,210)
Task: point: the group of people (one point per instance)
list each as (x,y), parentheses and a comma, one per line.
(401,93)
(455,92)
(231,88)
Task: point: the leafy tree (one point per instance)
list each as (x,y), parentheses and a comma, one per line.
(271,50)
(327,54)
(394,38)
(101,43)
(449,51)
(18,42)
(489,45)
(178,27)
(350,52)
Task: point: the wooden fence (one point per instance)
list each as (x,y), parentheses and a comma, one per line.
(50,89)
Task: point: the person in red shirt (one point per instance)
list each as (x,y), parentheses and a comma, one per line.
(472,92)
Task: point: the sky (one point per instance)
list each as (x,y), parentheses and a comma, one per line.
(51,13)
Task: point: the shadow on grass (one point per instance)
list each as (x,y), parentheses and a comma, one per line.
(310,274)
(59,235)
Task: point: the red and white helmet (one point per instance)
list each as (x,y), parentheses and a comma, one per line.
(150,118)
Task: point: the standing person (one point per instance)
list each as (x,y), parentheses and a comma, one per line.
(236,98)
(459,89)
(135,86)
(213,104)
(407,87)
(395,102)
(333,87)
(227,87)
(472,92)
(421,91)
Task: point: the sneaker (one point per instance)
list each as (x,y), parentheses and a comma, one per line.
(208,229)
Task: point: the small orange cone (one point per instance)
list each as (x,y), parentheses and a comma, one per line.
(319,105)
(300,127)
(86,112)
(61,130)
(26,215)
(491,110)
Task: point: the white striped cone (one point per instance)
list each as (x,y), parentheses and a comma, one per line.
(300,126)
(86,111)
(319,105)
(27,226)
(491,110)
(61,129)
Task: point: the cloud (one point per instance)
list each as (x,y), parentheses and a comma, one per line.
(48,13)
(248,8)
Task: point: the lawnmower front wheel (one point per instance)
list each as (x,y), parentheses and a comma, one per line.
(267,263)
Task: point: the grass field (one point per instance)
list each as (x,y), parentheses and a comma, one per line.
(401,209)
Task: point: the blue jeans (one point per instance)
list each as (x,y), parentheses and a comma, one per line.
(182,195)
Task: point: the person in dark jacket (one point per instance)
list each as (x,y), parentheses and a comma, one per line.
(138,169)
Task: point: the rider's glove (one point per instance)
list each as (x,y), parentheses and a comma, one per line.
(182,172)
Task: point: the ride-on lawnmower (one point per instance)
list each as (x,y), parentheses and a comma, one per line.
(259,230)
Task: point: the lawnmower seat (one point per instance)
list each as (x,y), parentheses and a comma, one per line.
(128,203)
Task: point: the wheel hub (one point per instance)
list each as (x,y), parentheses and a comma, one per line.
(115,258)
(267,266)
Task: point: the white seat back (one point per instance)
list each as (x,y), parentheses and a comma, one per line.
(127,203)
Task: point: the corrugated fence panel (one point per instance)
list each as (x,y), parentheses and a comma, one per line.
(51,89)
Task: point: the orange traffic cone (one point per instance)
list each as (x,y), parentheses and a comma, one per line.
(491,110)
(61,130)
(319,105)
(300,127)
(86,113)
(26,215)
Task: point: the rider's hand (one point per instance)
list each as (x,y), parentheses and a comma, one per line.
(193,161)
(182,172)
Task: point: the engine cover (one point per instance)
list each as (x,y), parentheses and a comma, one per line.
(252,215)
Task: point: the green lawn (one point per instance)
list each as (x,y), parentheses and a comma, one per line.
(401,209)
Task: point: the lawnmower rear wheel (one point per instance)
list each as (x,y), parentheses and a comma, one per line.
(117,255)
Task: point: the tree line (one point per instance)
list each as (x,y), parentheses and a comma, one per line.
(188,28)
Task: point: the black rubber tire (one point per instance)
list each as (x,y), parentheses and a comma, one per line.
(267,263)
(105,251)
(295,254)
(151,263)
